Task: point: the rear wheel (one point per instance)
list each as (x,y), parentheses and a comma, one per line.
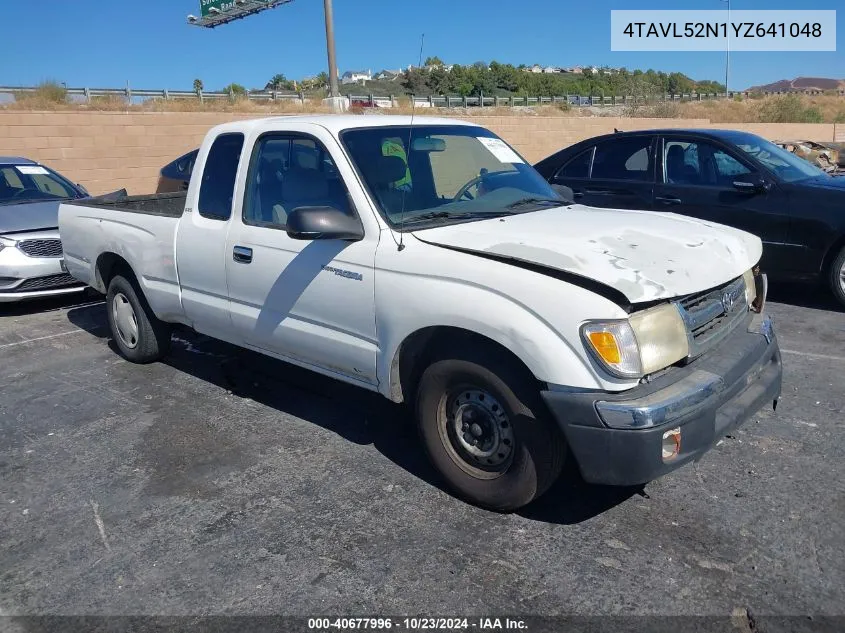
(837,277)
(486,429)
(139,335)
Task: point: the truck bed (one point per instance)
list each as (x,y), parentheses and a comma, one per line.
(165,204)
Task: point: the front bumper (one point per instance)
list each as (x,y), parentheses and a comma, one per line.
(705,399)
(23,277)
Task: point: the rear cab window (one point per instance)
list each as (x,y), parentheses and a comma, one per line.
(218,177)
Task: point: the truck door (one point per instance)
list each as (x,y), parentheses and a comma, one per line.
(201,238)
(307,301)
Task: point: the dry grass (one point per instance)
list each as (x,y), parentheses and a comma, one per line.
(779,109)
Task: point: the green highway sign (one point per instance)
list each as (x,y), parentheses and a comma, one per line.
(219,6)
(216,12)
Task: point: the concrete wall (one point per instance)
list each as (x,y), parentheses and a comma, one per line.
(106,151)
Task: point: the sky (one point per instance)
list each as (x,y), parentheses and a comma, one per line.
(147,43)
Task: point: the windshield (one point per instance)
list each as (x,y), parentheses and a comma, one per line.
(452,173)
(787,166)
(30,183)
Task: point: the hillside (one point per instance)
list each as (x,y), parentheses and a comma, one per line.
(801,83)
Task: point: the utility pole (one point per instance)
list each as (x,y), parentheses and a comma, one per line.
(337,102)
(728,52)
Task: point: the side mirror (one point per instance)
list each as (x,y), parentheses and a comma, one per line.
(565,193)
(750,184)
(323,223)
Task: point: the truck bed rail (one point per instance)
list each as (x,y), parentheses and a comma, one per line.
(166,204)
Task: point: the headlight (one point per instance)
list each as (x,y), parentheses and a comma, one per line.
(646,342)
(750,287)
(5,242)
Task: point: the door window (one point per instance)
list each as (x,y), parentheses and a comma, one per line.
(218,177)
(627,158)
(699,163)
(578,167)
(289,172)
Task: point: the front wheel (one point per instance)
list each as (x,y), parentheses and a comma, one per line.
(139,335)
(487,431)
(837,277)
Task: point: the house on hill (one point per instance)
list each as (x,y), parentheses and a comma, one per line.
(356,76)
(389,75)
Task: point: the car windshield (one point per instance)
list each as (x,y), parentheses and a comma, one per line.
(787,166)
(33,183)
(444,173)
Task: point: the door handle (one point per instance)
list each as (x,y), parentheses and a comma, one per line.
(242,254)
(577,194)
(665,200)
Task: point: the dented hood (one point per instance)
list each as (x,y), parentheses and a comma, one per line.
(642,254)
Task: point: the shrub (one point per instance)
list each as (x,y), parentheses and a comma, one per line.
(789,109)
(49,92)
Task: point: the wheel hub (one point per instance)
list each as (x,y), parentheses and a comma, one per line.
(482,430)
(123,316)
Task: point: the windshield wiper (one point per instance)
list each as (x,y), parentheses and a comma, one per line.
(523,202)
(454,215)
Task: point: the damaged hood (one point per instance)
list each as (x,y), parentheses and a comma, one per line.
(644,255)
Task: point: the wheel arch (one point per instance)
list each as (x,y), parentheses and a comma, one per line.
(416,349)
(832,252)
(107,266)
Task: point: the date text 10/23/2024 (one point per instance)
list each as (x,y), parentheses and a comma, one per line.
(417,624)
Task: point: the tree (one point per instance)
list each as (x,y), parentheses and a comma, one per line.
(198,86)
(415,81)
(278,82)
(434,61)
(323,79)
(438,80)
(236,90)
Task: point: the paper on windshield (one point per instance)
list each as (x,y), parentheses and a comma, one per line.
(500,150)
(31,170)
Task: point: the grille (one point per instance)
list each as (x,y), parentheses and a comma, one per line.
(712,315)
(41,248)
(47,283)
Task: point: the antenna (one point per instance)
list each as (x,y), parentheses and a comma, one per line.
(401,244)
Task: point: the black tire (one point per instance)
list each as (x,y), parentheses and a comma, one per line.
(836,277)
(152,340)
(538,447)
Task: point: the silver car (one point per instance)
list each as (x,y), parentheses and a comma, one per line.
(31,263)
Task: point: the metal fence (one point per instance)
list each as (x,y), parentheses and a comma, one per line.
(446,101)
(87,94)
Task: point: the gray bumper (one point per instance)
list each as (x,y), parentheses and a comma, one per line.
(617,437)
(25,277)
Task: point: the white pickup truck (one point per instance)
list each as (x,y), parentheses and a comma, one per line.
(427,261)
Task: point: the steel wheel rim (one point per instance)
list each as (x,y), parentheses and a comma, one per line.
(478,430)
(125,322)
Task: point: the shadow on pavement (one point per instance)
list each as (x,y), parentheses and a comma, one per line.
(59,302)
(804,295)
(353,413)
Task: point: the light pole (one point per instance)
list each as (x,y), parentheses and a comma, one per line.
(336,102)
(727,50)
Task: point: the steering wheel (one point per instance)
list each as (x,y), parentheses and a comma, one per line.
(464,191)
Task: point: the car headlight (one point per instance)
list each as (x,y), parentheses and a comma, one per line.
(5,242)
(750,287)
(646,342)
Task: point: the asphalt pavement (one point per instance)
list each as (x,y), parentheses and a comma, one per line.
(221,482)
